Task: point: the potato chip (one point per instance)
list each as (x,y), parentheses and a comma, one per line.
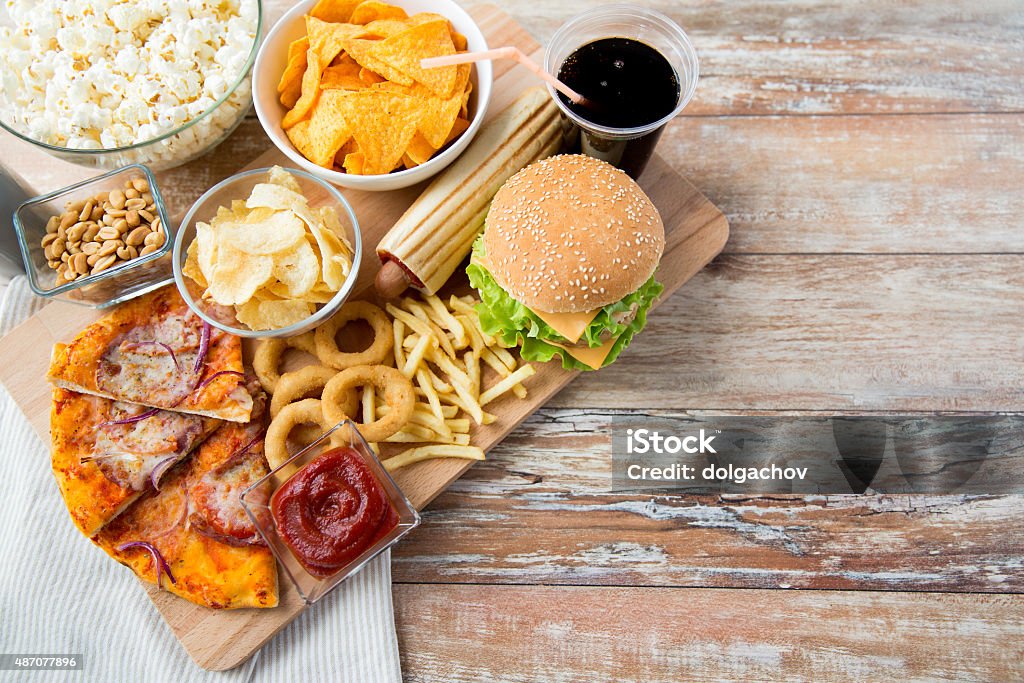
(282,231)
(310,91)
(333,251)
(279,176)
(329,221)
(266,293)
(273,315)
(206,249)
(237,275)
(191,268)
(273,196)
(335,11)
(319,294)
(371,10)
(258,215)
(404,51)
(297,268)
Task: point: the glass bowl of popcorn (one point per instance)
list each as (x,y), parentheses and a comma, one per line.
(107,83)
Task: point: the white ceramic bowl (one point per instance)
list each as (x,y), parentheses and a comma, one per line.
(273,56)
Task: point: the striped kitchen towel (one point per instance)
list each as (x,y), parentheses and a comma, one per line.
(60,594)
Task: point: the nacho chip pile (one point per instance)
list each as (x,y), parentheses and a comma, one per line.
(270,256)
(358,99)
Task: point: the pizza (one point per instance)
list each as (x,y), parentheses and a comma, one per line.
(192,537)
(155,351)
(105,454)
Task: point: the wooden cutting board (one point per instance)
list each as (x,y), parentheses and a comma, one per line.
(695,229)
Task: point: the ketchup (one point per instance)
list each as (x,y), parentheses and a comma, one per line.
(331,511)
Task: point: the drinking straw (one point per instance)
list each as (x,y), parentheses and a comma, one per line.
(504,53)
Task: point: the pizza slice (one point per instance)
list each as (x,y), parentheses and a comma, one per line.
(156,352)
(105,454)
(192,537)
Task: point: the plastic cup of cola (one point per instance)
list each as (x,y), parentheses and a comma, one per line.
(614,130)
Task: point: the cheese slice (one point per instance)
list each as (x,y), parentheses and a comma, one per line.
(571,326)
(590,356)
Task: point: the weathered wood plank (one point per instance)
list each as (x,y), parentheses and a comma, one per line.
(808,57)
(539,511)
(827,333)
(662,635)
(841,184)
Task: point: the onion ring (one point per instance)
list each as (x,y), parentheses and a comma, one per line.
(304,412)
(269,353)
(395,388)
(307,382)
(304,342)
(378,352)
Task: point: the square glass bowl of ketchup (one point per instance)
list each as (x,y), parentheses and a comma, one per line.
(328,510)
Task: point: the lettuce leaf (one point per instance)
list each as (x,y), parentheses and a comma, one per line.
(503,316)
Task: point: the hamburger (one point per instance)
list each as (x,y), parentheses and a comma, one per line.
(566,262)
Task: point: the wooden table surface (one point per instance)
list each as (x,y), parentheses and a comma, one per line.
(870,158)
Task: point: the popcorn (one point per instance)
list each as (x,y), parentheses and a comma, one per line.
(101,74)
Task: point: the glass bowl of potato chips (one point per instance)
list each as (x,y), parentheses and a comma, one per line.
(339,89)
(270,252)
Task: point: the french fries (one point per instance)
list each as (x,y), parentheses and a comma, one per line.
(432,451)
(441,346)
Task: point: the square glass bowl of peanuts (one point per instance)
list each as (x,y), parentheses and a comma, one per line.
(98,242)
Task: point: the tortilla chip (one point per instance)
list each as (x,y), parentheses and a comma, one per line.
(464,111)
(337,11)
(296,64)
(459,41)
(383,123)
(404,51)
(362,51)
(370,77)
(310,91)
(439,114)
(371,10)
(384,28)
(342,59)
(321,136)
(342,77)
(419,150)
(354,163)
(460,127)
(328,39)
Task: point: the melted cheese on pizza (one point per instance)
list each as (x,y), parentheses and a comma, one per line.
(101,467)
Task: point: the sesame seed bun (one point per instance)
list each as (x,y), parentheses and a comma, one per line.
(571,233)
